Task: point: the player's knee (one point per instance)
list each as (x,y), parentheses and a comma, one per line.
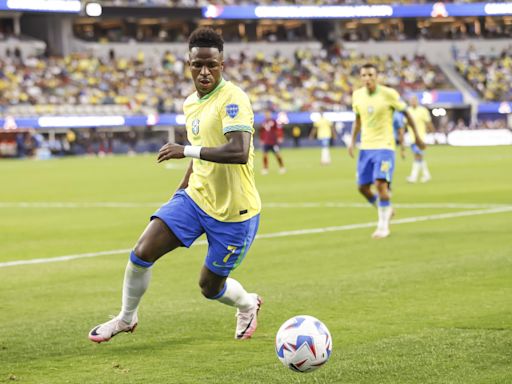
(208,289)
(143,252)
(363,189)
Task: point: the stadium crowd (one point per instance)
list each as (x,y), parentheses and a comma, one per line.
(309,81)
(490,75)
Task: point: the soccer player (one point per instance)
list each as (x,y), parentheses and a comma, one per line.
(323,130)
(398,130)
(271,136)
(373,106)
(217,195)
(423,121)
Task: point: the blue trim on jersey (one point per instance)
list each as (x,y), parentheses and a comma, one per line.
(237,128)
(228,242)
(138,261)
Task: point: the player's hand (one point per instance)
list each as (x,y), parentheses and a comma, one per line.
(351,150)
(402,152)
(170,151)
(420,143)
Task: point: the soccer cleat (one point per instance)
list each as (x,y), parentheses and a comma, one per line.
(426,178)
(282,171)
(106,331)
(381,233)
(247,321)
(411,179)
(264,171)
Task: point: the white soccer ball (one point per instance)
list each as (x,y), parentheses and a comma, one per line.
(303,343)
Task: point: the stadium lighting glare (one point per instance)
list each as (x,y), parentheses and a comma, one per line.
(93,9)
(439,112)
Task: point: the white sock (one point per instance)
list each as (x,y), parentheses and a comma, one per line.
(416,166)
(136,281)
(236,296)
(424,169)
(325,156)
(384,217)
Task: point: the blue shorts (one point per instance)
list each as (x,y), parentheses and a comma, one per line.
(270,148)
(325,143)
(228,243)
(416,150)
(374,164)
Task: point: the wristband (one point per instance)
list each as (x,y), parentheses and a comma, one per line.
(192,151)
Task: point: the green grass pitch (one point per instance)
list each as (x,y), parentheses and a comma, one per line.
(430,304)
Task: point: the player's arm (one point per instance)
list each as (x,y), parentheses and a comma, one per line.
(235,151)
(412,124)
(356,128)
(280,133)
(401,141)
(186,177)
(312,134)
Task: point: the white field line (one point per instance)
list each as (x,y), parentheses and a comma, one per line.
(68,205)
(299,232)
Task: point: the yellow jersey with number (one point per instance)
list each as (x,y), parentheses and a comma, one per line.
(376,113)
(421,117)
(226,192)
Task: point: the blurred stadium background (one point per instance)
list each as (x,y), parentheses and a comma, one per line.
(110,76)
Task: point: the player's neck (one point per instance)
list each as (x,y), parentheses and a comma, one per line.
(215,89)
(371,90)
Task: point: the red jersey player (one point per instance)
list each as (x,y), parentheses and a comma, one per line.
(271,136)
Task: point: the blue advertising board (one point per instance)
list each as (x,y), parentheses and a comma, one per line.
(431,10)
(58,6)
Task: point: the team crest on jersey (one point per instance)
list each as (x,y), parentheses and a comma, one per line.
(195,126)
(370,109)
(232,110)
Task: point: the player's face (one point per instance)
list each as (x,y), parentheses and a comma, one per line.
(369,77)
(414,101)
(206,65)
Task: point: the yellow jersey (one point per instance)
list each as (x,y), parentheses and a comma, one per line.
(226,192)
(421,117)
(323,128)
(376,113)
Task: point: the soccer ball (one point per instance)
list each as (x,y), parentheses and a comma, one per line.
(303,343)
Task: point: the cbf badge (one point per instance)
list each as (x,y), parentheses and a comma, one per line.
(195,126)
(232,110)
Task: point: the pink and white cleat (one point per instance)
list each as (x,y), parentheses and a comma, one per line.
(106,331)
(247,321)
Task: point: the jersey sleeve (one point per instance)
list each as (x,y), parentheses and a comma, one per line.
(236,113)
(428,118)
(396,102)
(355,107)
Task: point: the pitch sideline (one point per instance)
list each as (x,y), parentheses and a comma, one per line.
(299,232)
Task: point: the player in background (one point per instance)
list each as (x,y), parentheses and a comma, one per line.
(423,121)
(373,106)
(217,195)
(399,131)
(323,130)
(271,137)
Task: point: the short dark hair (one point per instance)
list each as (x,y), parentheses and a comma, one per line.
(205,38)
(368,66)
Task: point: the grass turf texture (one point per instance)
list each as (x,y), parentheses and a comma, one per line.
(430,304)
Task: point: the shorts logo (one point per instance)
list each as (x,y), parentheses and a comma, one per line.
(195,126)
(385,166)
(370,109)
(232,110)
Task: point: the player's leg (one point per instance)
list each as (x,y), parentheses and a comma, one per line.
(228,246)
(279,158)
(416,165)
(325,157)
(365,176)
(384,163)
(172,226)
(424,169)
(264,170)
